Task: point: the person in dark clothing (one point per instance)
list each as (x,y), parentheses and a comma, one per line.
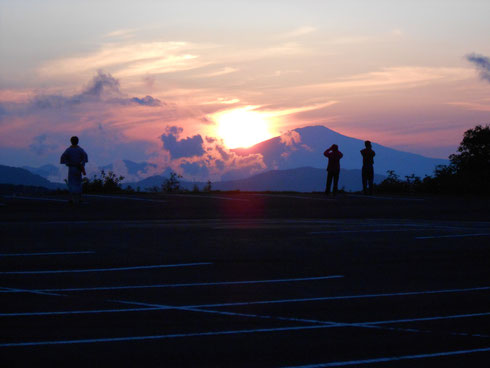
(75,158)
(333,168)
(367,168)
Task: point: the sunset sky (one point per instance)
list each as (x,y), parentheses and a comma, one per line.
(131,78)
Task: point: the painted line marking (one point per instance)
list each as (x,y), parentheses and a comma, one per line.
(90,311)
(292,319)
(341,297)
(394,358)
(154,307)
(211,197)
(359,231)
(37,199)
(105,269)
(194,284)
(157,337)
(237,314)
(422,319)
(452,236)
(289,196)
(16,290)
(124,198)
(44,253)
(388,198)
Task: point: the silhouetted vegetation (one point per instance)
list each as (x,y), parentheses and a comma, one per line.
(208,187)
(172,184)
(105,183)
(467,173)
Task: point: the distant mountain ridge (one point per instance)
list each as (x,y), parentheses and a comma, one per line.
(305,146)
(19,176)
(303,179)
(293,161)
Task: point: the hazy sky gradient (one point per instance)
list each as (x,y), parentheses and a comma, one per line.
(395,72)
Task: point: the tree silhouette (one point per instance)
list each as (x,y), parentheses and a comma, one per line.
(172,184)
(467,173)
(471,165)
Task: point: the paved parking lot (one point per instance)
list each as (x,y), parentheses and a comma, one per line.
(245,279)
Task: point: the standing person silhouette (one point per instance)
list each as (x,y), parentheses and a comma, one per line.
(333,168)
(75,158)
(367,168)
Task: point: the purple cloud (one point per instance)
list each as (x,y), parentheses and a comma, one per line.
(188,147)
(482,63)
(102,88)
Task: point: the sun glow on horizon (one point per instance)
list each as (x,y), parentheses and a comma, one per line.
(243,127)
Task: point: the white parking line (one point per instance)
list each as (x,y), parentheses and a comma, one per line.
(289,196)
(360,231)
(37,199)
(193,284)
(105,269)
(452,236)
(16,290)
(387,198)
(340,297)
(124,198)
(209,196)
(193,309)
(394,358)
(44,253)
(378,325)
(157,337)
(421,319)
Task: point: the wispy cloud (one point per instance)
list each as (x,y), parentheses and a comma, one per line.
(298,109)
(216,73)
(392,78)
(121,33)
(300,31)
(473,106)
(129,60)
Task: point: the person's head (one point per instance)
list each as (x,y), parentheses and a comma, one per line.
(335,147)
(367,144)
(74,140)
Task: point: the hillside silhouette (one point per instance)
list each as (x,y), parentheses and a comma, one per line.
(308,151)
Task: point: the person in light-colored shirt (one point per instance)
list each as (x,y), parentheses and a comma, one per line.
(75,158)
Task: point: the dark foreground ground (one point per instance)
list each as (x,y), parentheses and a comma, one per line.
(245,280)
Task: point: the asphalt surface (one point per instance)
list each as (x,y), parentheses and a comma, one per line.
(245,280)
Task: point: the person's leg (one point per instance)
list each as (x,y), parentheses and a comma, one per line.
(364,180)
(336,181)
(75,184)
(329,182)
(370,179)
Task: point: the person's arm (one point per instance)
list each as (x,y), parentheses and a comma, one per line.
(84,157)
(340,155)
(64,158)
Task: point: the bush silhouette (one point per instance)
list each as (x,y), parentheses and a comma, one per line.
(106,183)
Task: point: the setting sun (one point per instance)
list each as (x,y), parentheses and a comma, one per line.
(242,127)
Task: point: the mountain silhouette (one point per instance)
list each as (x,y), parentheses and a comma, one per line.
(303,179)
(19,176)
(313,140)
(45,171)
